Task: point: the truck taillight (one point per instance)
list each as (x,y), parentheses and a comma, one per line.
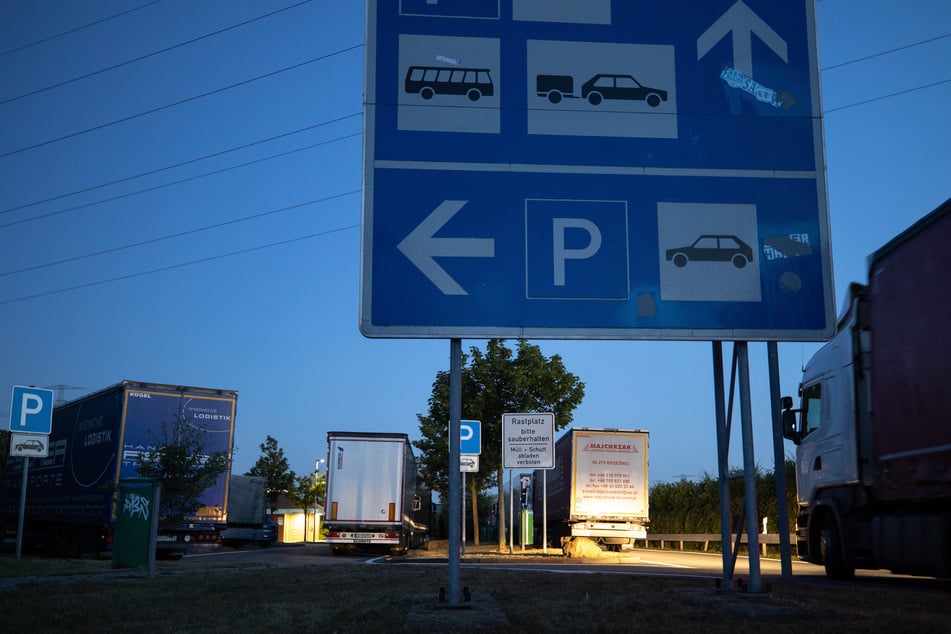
(392,535)
(333,534)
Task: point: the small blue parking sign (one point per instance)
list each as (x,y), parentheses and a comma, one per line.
(470,437)
(32,410)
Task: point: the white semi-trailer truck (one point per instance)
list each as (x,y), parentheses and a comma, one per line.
(598,488)
(375,499)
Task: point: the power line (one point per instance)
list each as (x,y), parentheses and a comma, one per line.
(175,165)
(181,234)
(178,266)
(888,96)
(182,101)
(78,28)
(153,54)
(179,182)
(894,50)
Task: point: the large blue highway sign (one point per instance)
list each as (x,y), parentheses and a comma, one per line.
(595,169)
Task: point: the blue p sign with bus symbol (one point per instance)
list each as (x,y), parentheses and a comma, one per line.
(32,410)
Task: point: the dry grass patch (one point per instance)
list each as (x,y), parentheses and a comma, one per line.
(403,598)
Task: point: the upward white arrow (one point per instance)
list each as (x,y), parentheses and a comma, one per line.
(420,247)
(741,20)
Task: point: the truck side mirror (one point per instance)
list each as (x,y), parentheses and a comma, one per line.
(790,431)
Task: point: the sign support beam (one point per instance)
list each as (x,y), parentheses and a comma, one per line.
(723,452)
(455,502)
(26,474)
(749,465)
(779,462)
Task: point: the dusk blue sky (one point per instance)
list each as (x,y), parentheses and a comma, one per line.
(180,202)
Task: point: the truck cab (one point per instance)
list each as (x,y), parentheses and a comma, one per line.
(827,433)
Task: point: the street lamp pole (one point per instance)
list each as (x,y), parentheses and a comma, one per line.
(316,480)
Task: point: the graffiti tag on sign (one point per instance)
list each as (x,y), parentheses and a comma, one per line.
(136,506)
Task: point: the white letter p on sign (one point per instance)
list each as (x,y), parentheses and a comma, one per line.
(26,408)
(561,253)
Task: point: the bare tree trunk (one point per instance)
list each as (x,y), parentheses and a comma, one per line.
(475,511)
(503,546)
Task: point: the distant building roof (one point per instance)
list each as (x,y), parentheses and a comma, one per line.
(287,506)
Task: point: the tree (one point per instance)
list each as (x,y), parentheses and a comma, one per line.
(274,468)
(182,468)
(308,491)
(493,383)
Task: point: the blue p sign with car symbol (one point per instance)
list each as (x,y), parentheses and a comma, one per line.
(32,410)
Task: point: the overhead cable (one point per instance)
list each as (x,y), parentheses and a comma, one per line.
(888,52)
(148,55)
(180,164)
(888,96)
(181,234)
(180,265)
(78,28)
(181,101)
(178,182)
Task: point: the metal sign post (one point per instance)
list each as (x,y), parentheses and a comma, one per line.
(26,474)
(463,540)
(545,511)
(455,411)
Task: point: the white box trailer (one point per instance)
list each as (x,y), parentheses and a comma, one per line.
(598,488)
(374,495)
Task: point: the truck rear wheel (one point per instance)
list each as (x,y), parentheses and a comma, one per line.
(831,549)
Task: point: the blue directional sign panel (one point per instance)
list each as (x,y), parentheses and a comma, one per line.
(595,169)
(31,410)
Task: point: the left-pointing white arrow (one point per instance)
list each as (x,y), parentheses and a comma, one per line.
(421,246)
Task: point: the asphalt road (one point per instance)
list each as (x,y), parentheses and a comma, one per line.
(640,562)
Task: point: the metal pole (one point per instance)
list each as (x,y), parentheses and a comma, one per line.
(723,451)
(511,512)
(749,465)
(153,534)
(545,511)
(463,513)
(26,473)
(779,458)
(455,414)
(521,517)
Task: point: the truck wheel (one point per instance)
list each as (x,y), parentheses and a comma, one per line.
(830,547)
